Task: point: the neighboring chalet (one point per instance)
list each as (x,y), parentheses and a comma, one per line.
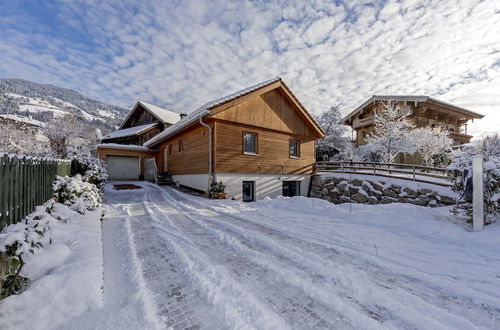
(259,141)
(426,111)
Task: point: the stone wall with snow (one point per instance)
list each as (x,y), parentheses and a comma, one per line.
(372,190)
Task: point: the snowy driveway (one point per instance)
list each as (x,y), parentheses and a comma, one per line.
(298,263)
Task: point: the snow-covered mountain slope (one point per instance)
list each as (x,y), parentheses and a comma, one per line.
(43,102)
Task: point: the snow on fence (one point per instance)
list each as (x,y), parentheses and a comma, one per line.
(434,175)
(26,182)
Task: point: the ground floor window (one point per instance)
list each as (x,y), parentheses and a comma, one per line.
(291,188)
(248,191)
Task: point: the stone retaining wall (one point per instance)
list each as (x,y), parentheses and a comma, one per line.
(337,190)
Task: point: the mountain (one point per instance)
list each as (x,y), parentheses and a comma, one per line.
(28,101)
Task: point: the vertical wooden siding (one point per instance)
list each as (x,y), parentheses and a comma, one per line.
(273,151)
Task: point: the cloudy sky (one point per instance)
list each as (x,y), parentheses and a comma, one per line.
(181,54)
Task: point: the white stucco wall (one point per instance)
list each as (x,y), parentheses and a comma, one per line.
(197,181)
(265,184)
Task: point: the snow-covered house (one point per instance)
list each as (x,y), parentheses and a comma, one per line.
(425,111)
(259,141)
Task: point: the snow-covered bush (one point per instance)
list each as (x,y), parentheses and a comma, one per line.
(93,170)
(20,239)
(335,140)
(79,195)
(432,144)
(461,171)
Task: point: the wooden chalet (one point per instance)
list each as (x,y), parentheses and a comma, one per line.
(259,142)
(425,111)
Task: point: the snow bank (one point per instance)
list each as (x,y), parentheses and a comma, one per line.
(67,275)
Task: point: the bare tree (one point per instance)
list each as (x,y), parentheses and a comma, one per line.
(59,131)
(391,133)
(431,142)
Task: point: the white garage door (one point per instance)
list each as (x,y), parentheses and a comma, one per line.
(122,168)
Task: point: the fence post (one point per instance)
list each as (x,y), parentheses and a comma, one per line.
(413,172)
(477,194)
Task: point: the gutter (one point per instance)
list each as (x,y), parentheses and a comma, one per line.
(210,174)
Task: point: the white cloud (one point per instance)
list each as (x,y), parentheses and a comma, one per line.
(180,55)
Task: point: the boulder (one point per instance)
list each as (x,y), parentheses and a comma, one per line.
(390,193)
(356,182)
(387,200)
(352,190)
(366,187)
(372,200)
(360,198)
(424,191)
(376,194)
(402,199)
(422,200)
(410,192)
(341,186)
(446,200)
(432,203)
(377,186)
(395,188)
(344,199)
(324,191)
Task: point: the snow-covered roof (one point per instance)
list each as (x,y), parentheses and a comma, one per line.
(408,98)
(123,146)
(205,110)
(128,131)
(166,116)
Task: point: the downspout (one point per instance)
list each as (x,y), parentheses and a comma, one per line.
(210,174)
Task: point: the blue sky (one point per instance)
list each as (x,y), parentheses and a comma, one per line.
(181,54)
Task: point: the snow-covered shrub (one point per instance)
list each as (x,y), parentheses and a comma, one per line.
(18,240)
(432,144)
(93,170)
(79,195)
(335,140)
(460,170)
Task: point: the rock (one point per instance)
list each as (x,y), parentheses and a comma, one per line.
(315,194)
(424,191)
(387,200)
(402,199)
(432,203)
(395,188)
(360,198)
(341,186)
(344,199)
(372,200)
(353,190)
(410,192)
(388,192)
(422,200)
(330,186)
(376,194)
(356,182)
(365,187)
(324,191)
(377,186)
(446,200)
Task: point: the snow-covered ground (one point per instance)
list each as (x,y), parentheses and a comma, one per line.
(172,260)
(176,260)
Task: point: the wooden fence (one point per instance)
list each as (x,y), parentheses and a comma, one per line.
(434,175)
(26,182)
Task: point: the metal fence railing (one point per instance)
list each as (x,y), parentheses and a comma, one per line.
(26,182)
(425,174)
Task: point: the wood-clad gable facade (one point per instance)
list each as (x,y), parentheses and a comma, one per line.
(271,113)
(428,112)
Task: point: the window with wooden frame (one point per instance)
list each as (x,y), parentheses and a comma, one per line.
(294,148)
(250,141)
(181,146)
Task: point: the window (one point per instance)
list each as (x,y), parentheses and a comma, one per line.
(249,143)
(181,146)
(291,188)
(248,191)
(294,148)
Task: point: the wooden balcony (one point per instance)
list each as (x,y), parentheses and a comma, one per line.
(363,122)
(460,138)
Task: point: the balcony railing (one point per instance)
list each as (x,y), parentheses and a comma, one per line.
(461,137)
(363,122)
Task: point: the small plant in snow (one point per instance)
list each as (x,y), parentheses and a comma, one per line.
(461,171)
(216,188)
(79,195)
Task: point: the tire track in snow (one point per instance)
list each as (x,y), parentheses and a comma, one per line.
(423,298)
(239,307)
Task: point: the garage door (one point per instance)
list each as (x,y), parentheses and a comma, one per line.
(122,168)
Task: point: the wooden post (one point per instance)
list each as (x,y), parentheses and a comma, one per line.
(477,194)
(413,172)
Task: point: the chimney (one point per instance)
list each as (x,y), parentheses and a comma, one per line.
(182,115)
